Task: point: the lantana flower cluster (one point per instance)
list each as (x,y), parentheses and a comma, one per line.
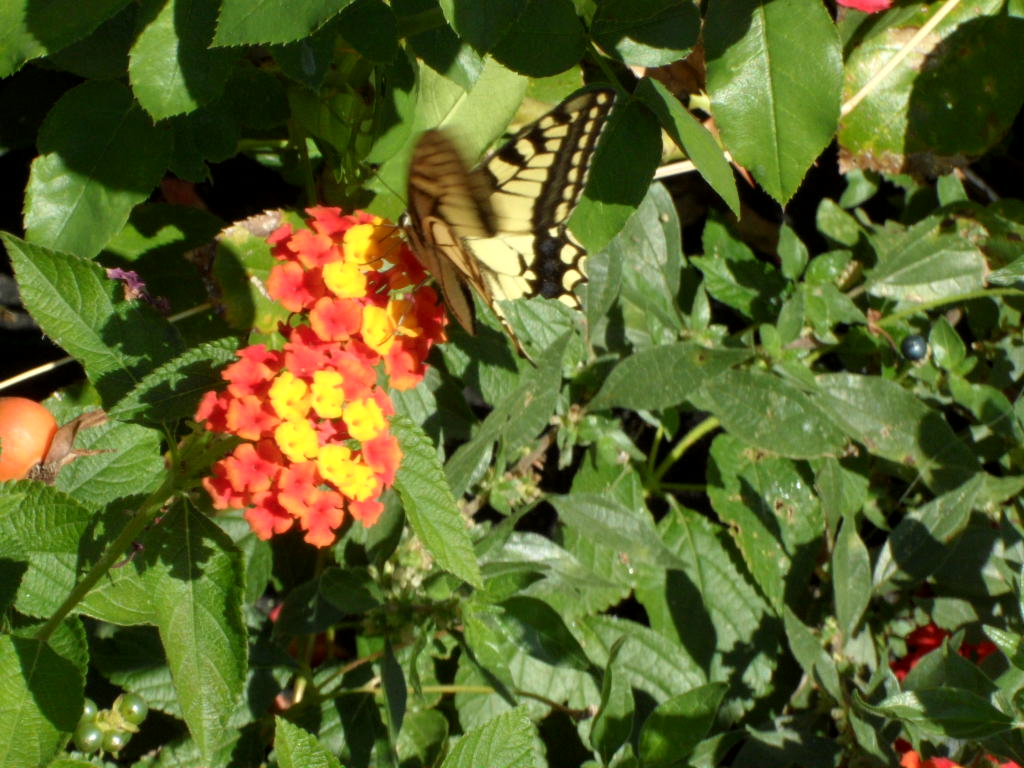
(314,414)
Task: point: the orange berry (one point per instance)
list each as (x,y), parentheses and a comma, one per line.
(26,430)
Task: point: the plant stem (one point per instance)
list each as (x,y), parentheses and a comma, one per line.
(691,437)
(150,507)
(307,643)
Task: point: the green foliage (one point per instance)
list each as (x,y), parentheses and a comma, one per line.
(702,523)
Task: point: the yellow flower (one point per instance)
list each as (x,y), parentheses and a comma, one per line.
(348,475)
(362,243)
(328,395)
(404,319)
(345,280)
(378,329)
(290,397)
(297,440)
(364,419)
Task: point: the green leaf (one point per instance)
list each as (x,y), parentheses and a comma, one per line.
(474,117)
(776,516)
(774,77)
(395,691)
(892,423)
(792,253)
(160,231)
(173,391)
(511,421)
(195,579)
(46,529)
(734,275)
(308,59)
(606,521)
(422,738)
(430,506)
(690,136)
(807,650)
(948,712)
(488,644)
(103,53)
(306,611)
(29,30)
(646,33)
(926,263)
(296,748)
(482,25)
(948,349)
(128,462)
(676,726)
(349,590)
(711,607)
(172,68)
(651,248)
(670,374)
(614,719)
(573,585)
(771,414)
(537,628)
(99,156)
(836,223)
(438,46)
(504,742)
(546,39)
(374,30)
(918,546)
(620,176)
(1011,644)
(851,581)
(40,701)
(825,307)
(208,135)
(241,267)
(272,21)
(903,124)
(78,307)
(650,662)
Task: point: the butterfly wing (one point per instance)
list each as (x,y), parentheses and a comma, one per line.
(538,178)
(446,203)
(501,228)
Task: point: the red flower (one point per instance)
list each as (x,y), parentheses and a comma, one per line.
(294,287)
(250,417)
(297,486)
(867,6)
(383,455)
(336,319)
(329,221)
(268,517)
(312,249)
(253,372)
(213,409)
(324,513)
(366,512)
(926,639)
(246,470)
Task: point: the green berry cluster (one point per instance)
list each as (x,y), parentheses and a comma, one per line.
(111,729)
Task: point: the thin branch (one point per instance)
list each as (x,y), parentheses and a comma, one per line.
(906,50)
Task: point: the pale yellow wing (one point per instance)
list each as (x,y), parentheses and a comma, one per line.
(538,178)
(501,228)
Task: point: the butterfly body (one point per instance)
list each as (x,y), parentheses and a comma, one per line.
(500,228)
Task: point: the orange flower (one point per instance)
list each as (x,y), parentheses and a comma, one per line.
(314,414)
